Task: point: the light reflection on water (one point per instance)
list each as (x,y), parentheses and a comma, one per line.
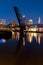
(36,35)
(29,36)
(2,41)
(28,54)
(25,54)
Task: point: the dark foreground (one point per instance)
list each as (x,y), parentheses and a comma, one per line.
(31,54)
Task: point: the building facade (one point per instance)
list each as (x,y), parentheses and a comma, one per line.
(2,22)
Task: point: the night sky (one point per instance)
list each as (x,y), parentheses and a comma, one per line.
(32,9)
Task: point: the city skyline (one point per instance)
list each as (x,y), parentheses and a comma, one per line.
(30,8)
(23,19)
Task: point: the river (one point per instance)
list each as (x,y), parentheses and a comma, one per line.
(29,54)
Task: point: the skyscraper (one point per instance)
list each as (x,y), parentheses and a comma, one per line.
(23,18)
(39,20)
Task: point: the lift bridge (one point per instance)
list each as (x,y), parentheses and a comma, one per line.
(7,30)
(22,26)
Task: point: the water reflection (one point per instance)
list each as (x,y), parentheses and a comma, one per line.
(37,36)
(29,36)
(2,41)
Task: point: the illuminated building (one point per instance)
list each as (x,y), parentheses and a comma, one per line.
(30,21)
(13,33)
(39,28)
(12,24)
(39,20)
(2,22)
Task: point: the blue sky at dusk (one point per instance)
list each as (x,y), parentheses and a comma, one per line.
(32,9)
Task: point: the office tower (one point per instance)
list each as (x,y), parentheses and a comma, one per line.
(24,18)
(30,21)
(39,20)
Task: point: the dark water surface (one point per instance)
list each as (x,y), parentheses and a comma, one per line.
(30,54)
